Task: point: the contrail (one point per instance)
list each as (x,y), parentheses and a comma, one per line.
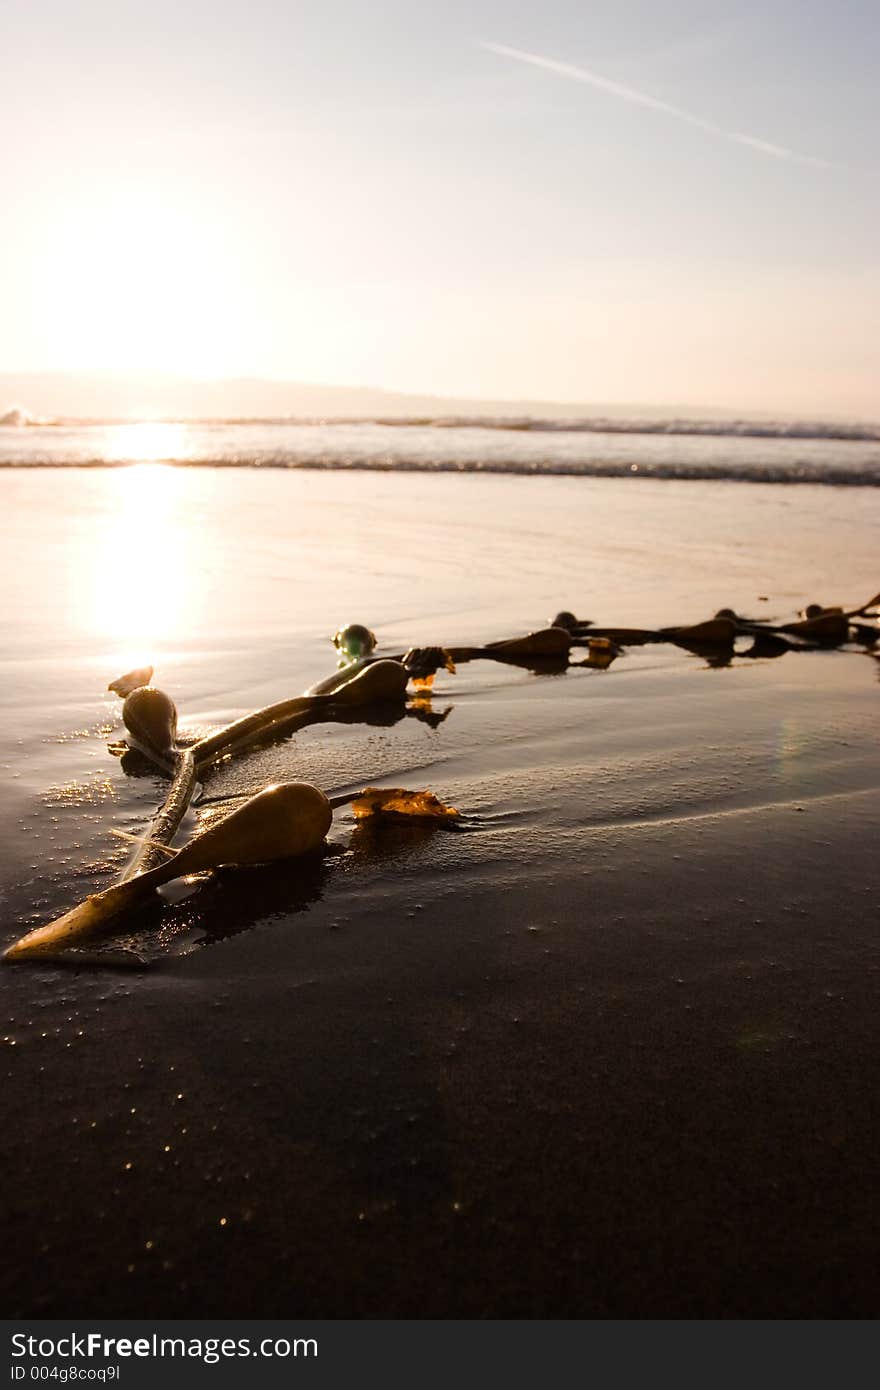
(617,89)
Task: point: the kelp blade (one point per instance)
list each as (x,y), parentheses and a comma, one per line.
(88,919)
(397,803)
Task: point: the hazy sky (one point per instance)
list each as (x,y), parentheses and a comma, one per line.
(626,200)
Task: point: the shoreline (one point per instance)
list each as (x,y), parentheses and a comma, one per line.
(675,473)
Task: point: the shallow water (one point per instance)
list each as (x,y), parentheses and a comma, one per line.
(609,1049)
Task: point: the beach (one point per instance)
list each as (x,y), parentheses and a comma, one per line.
(607,1049)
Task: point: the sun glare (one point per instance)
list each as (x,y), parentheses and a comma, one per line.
(147,442)
(135,270)
(145,576)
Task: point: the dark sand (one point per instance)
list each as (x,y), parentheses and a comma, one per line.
(611,1049)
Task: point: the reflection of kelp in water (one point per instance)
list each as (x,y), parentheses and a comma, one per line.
(396,841)
(234,900)
(766,646)
(222,905)
(135,763)
(818,627)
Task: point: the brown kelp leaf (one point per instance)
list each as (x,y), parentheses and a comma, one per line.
(828,629)
(548,641)
(396,802)
(422,662)
(132,680)
(715,632)
(601,651)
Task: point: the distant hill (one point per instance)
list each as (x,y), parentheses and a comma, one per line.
(105,395)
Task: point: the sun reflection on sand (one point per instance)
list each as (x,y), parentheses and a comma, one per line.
(144,579)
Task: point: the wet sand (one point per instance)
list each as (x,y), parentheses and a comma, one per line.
(609,1049)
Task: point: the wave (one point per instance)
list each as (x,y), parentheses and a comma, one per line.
(837,475)
(747,451)
(727,428)
(720,429)
(17,419)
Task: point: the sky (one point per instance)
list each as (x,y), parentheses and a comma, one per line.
(622,201)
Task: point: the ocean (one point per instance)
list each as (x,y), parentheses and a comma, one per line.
(770,451)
